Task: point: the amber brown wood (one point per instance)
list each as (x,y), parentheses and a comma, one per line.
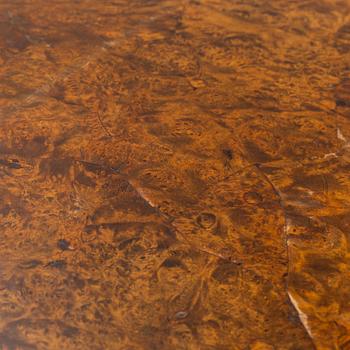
(174,175)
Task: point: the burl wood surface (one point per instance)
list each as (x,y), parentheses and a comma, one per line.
(174,174)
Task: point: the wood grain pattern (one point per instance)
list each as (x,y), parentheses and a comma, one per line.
(174,174)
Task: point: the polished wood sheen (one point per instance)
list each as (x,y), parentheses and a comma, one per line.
(175,175)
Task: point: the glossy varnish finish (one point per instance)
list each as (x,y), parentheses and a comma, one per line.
(174,174)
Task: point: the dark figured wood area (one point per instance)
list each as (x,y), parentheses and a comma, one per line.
(174,175)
